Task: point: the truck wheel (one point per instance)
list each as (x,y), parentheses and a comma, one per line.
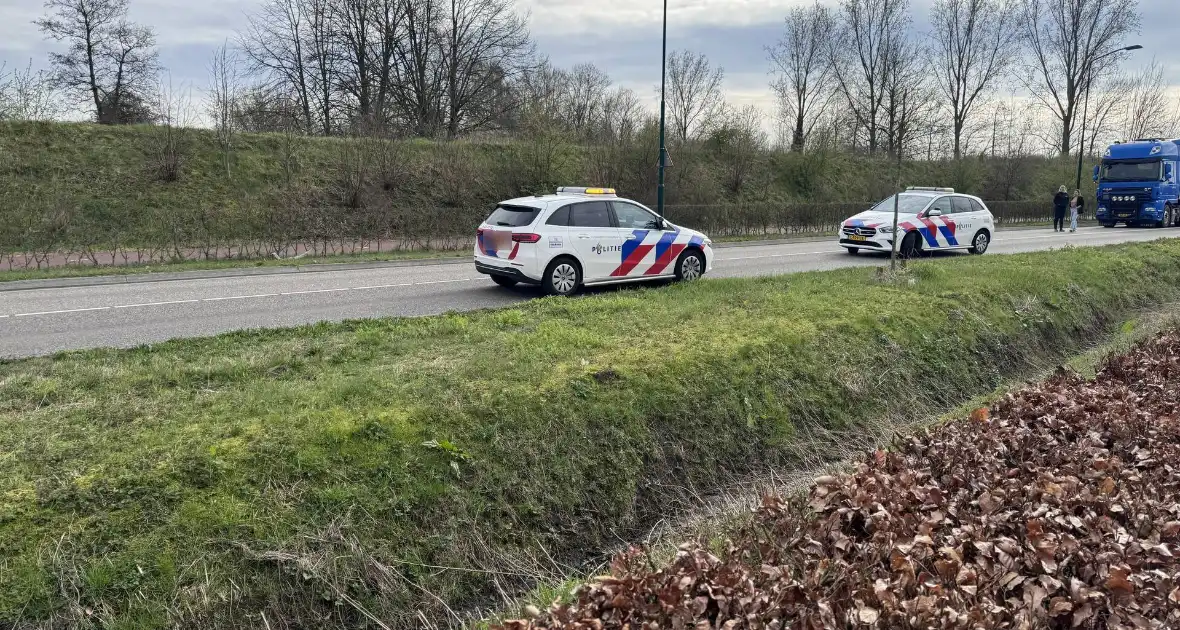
(1169,216)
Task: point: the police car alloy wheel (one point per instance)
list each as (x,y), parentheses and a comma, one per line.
(690,267)
(980,242)
(562,278)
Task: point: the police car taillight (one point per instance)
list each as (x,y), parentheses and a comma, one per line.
(526,238)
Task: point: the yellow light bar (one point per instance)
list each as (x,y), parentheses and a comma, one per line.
(600,191)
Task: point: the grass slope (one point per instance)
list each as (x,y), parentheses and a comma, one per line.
(321,476)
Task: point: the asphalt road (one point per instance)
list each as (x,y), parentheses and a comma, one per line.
(43,317)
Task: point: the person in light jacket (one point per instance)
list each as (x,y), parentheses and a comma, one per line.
(1077,205)
(1060,205)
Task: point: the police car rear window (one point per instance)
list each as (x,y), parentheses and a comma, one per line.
(513,216)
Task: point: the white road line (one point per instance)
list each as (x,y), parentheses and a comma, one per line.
(382,286)
(444,281)
(238,297)
(142,304)
(68,310)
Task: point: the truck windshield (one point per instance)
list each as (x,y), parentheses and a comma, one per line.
(1132,171)
(906,204)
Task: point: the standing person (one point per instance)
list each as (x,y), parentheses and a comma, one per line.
(1060,205)
(1077,205)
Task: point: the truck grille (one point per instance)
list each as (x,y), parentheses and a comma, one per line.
(1126,202)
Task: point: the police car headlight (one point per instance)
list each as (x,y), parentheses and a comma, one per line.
(885,229)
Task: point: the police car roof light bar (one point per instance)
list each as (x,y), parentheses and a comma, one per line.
(934,188)
(582,190)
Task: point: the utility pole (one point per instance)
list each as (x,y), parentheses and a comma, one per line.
(663,148)
(1086,107)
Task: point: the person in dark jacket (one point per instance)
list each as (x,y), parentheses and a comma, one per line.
(1060,206)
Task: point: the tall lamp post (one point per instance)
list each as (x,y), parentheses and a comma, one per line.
(663,148)
(1086,108)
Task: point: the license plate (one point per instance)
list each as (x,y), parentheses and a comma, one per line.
(1124,214)
(857,237)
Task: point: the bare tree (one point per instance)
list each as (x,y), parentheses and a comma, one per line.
(622,114)
(694,92)
(1147,111)
(274,42)
(107,59)
(585,94)
(804,73)
(223,97)
(419,79)
(860,54)
(908,109)
(27,94)
(487,46)
(974,44)
(1069,41)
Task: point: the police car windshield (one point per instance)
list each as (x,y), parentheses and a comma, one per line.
(1132,171)
(907,203)
(513,216)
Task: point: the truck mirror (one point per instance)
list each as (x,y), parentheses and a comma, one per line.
(1168,171)
(1096,173)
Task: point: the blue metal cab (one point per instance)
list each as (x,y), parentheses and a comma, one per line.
(1137,184)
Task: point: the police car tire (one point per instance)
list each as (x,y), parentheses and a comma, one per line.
(975,242)
(852,250)
(1110,225)
(910,247)
(504,281)
(548,284)
(683,273)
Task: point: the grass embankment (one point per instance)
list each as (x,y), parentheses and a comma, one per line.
(322,475)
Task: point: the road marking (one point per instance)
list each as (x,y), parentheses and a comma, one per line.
(155,303)
(237,297)
(68,310)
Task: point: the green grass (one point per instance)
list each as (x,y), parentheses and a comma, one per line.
(322,474)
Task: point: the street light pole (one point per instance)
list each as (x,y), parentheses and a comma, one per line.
(663,148)
(1086,107)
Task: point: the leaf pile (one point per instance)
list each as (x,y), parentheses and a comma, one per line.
(1059,508)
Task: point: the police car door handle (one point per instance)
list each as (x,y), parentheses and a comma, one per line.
(632,237)
(583,236)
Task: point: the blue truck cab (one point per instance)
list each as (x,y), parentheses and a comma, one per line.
(1137,184)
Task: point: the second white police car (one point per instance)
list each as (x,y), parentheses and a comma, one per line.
(585,236)
(927,219)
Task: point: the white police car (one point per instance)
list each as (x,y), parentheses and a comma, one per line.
(927,219)
(585,236)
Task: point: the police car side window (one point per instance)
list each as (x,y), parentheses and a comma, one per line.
(943,204)
(962,205)
(561,217)
(591,214)
(976,206)
(632,217)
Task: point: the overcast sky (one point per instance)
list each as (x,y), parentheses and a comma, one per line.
(620,36)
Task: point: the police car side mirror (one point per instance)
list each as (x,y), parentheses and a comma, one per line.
(1095,173)
(935,212)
